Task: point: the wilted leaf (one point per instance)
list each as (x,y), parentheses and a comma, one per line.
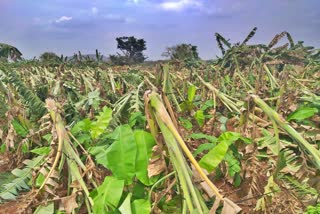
(229,207)
(69,203)
(205,186)
(45,209)
(215,206)
(9,141)
(157,163)
(51,182)
(270,190)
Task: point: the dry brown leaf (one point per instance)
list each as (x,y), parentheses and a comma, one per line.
(75,185)
(157,163)
(249,149)
(250,197)
(229,207)
(207,189)
(156,167)
(44,171)
(215,206)
(196,176)
(209,125)
(48,190)
(52,183)
(69,203)
(9,141)
(55,174)
(292,107)
(232,124)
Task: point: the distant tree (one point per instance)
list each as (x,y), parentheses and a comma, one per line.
(132,51)
(50,57)
(9,52)
(182,52)
(119,59)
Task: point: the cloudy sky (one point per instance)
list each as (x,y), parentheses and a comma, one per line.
(66,26)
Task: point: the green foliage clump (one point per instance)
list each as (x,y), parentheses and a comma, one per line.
(313,209)
(182,52)
(9,52)
(50,57)
(132,51)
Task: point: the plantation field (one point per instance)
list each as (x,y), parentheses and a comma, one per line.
(241,132)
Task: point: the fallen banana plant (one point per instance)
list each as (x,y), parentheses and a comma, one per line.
(157,114)
(305,146)
(66,153)
(231,103)
(224,98)
(167,86)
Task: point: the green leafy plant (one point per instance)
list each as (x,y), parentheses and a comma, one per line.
(224,150)
(10,191)
(313,209)
(302,113)
(103,151)
(107,196)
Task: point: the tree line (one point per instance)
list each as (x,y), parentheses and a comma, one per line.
(131,52)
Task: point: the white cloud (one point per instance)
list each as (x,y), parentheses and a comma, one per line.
(94,10)
(134,1)
(63,19)
(119,18)
(180,5)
